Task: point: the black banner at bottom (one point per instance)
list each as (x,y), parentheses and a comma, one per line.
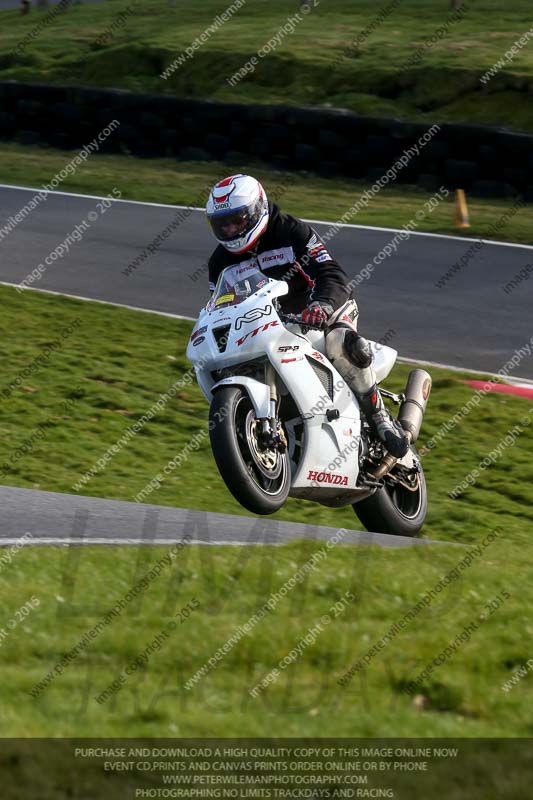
(276,769)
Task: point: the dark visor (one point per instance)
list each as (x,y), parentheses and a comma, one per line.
(230,226)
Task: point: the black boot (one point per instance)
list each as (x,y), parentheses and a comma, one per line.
(388,431)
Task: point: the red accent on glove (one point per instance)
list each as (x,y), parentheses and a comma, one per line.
(314,315)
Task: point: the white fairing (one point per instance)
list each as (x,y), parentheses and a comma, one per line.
(324,452)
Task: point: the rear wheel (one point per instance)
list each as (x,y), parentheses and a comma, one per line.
(399,507)
(258,476)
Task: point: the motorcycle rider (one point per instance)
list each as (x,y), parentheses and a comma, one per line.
(250,229)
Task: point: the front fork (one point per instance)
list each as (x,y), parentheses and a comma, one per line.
(272,434)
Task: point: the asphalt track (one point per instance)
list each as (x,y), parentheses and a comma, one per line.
(470,322)
(62,519)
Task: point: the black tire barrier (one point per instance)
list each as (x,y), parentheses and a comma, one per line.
(485,161)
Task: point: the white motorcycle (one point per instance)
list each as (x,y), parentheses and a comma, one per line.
(283,422)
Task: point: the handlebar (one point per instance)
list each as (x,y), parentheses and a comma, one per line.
(297,320)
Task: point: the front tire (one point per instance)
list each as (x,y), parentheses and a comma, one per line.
(259,478)
(395,509)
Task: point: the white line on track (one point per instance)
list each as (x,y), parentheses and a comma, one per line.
(91,540)
(436,364)
(426,233)
(315,221)
(364,537)
(94,300)
(94,196)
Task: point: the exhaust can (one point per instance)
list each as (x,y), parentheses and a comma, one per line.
(411,414)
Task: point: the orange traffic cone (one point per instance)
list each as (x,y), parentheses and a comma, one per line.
(462,219)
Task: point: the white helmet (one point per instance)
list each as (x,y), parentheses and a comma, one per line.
(237,210)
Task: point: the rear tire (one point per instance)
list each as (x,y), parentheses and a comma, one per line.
(394,509)
(258,478)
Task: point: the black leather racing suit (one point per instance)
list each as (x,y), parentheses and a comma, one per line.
(291,250)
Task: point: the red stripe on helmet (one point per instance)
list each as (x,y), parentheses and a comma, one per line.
(226,181)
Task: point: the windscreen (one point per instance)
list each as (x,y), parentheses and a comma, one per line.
(236,284)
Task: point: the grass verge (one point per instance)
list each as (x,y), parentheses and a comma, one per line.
(461,697)
(100,378)
(306,195)
(417,61)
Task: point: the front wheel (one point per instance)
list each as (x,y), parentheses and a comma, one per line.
(258,477)
(399,507)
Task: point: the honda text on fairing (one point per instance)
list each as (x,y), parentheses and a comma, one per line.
(283,422)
